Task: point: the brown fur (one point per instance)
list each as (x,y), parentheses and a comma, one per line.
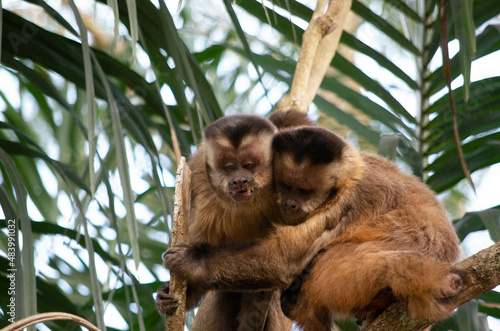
(275,260)
(290,118)
(392,239)
(395,242)
(221,214)
(218,220)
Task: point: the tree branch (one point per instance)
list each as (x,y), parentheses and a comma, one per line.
(319,45)
(482,273)
(49,316)
(180,222)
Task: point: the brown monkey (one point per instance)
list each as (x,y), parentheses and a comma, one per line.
(392,238)
(233,202)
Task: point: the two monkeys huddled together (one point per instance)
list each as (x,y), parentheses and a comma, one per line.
(290,218)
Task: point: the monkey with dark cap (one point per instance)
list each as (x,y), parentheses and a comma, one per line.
(233,201)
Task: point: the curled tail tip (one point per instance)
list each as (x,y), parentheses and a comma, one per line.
(290,118)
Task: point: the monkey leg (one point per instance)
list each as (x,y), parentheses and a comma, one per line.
(243,311)
(261,311)
(347,277)
(335,286)
(426,283)
(218,311)
(276,320)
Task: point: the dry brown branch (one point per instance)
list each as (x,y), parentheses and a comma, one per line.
(482,274)
(180,223)
(319,45)
(45,317)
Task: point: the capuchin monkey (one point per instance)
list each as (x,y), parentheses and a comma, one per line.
(389,238)
(233,201)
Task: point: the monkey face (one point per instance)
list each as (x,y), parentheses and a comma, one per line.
(301,187)
(311,165)
(238,156)
(291,202)
(240,172)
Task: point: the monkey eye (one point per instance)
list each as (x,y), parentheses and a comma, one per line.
(304,191)
(229,167)
(249,166)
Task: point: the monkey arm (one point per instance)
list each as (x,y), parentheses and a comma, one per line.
(268,263)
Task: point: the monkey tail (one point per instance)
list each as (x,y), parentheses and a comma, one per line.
(290,118)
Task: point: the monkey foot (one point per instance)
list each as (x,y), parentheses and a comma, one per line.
(165,303)
(454,285)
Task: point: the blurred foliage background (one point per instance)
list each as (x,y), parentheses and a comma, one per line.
(95,95)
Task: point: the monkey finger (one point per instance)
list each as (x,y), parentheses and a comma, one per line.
(185,245)
(178,261)
(164,289)
(166,305)
(324,239)
(172,260)
(175,250)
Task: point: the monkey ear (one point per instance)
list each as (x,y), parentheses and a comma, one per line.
(210,149)
(353,164)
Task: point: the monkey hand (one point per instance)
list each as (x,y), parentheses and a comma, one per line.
(165,303)
(323,240)
(186,261)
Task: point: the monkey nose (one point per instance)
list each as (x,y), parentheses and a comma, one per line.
(243,183)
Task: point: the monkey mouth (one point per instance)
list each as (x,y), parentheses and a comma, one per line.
(293,217)
(242,195)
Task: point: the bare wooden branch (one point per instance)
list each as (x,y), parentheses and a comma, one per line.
(180,224)
(331,24)
(310,41)
(50,316)
(319,45)
(482,272)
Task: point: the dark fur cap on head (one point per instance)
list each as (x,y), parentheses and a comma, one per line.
(236,127)
(318,145)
